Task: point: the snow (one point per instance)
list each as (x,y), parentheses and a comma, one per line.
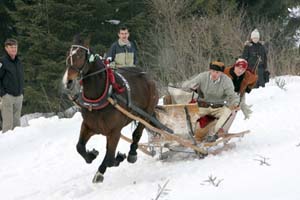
(40,161)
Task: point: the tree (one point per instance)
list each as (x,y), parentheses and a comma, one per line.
(45,28)
(6,25)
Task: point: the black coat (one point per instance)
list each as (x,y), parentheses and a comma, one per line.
(252,51)
(11,76)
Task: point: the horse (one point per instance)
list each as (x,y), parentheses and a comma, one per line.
(100,116)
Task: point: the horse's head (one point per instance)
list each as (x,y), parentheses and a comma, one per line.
(76,62)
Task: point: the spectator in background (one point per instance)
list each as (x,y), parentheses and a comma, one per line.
(255,53)
(11,86)
(122,53)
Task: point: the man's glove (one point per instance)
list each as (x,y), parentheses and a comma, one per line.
(246,109)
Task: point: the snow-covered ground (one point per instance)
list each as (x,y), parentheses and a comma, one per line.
(40,161)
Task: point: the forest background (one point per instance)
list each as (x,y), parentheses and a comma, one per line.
(176,39)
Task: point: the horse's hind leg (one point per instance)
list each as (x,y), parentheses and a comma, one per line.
(85,135)
(136,136)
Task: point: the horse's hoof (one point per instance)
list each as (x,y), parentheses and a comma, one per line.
(91,155)
(120,157)
(98,178)
(131,158)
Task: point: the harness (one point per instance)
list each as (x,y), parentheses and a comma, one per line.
(108,96)
(110,83)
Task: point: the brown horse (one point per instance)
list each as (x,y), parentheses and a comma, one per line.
(99,116)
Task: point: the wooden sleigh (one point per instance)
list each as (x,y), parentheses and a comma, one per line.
(188,137)
(184,120)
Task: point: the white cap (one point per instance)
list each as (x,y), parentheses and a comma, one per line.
(255,34)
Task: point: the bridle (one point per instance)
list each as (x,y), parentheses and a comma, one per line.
(81,99)
(73,50)
(80,70)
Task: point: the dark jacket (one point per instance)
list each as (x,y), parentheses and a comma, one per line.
(122,55)
(252,51)
(11,76)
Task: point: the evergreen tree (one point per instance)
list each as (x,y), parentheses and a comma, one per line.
(45,28)
(6,25)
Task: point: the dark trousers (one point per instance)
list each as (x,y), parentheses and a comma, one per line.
(261,78)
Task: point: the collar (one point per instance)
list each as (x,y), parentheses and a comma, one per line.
(216,81)
(9,58)
(121,43)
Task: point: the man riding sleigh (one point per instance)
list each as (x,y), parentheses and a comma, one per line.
(221,93)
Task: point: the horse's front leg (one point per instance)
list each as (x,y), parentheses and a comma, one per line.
(85,135)
(109,160)
(136,136)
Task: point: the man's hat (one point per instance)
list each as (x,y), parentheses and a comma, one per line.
(241,62)
(217,66)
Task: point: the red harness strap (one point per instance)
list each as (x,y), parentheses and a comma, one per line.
(101,101)
(113,82)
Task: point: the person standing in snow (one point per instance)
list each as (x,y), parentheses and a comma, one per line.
(255,53)
(243,82)
(11,86)
(122,53)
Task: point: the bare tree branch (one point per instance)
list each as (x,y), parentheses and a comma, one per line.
(263,160)
(213,181)
(162,190)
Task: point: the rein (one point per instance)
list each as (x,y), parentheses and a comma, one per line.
(101,102)
(92,74)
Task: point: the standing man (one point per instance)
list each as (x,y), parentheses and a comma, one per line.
(11,86)
(122,52)
(255,53)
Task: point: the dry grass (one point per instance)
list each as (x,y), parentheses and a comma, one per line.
(179,45)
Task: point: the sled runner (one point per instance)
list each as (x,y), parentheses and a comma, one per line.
(188,136)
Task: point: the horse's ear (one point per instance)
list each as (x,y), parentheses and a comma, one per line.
(78,39)
(87,41)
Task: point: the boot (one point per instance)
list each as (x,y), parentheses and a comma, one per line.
(214,137)
(211,138)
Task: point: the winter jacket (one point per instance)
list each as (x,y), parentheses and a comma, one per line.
(122,54)
(252,51)
(242,84)
(11,76)
(215,91)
